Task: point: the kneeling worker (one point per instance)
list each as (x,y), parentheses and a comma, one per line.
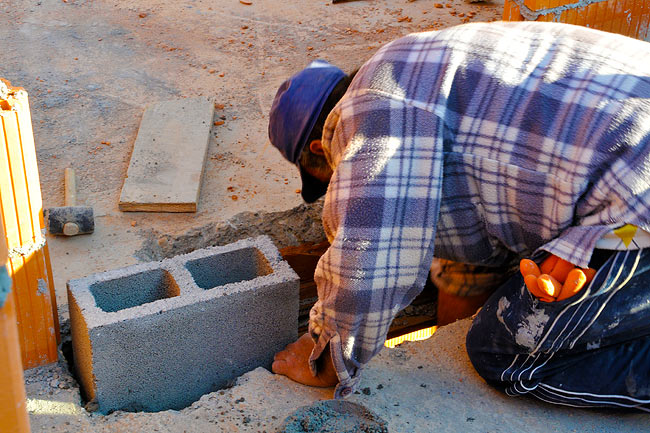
(517,155)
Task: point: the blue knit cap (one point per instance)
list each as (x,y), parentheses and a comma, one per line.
(294,112)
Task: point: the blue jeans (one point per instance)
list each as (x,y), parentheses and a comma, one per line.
(590,350)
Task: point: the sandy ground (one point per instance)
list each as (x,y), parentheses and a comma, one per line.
(422,387)
(91,67)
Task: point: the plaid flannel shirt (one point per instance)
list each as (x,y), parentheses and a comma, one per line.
(483,143)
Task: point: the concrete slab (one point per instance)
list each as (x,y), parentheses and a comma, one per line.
(168,156)
(159,335)
(422,387)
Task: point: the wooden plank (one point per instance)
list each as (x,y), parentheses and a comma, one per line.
(169,153)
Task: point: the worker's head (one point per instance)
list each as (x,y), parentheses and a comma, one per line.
(296,121)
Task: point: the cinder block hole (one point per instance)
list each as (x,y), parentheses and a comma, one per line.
(134,290)
(231,267)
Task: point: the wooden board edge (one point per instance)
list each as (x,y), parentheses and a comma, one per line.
(157,207)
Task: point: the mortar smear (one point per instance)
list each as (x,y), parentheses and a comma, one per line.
(333,416)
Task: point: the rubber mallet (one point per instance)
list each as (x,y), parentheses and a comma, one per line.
(70,219)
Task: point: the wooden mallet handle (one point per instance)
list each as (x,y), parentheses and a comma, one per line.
(70,199)
(70,187)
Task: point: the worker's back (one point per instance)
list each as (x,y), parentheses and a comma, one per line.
(545,132)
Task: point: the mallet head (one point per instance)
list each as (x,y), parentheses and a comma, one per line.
(69,220)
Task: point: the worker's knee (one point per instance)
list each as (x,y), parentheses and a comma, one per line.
(486,360)
(490,344)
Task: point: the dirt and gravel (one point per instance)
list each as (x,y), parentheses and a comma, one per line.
(421,387)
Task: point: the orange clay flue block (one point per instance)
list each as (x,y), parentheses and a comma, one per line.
(13,409)
(626,17)
(22,211)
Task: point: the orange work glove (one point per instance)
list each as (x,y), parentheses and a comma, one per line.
(556,280)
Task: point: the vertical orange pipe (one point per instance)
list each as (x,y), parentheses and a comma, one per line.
(13,409)
(13,405)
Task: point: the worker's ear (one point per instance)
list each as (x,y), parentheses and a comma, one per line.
(316,147)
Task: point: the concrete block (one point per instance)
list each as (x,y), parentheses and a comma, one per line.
(157,336)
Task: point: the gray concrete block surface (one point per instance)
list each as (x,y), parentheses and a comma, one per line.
(159,335)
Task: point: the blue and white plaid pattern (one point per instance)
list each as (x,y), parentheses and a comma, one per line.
(508,138)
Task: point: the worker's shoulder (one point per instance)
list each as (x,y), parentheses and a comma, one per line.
(483,30)
(471,40)
(475,36)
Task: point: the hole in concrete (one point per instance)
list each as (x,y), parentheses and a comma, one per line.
(134,290)
(231,267)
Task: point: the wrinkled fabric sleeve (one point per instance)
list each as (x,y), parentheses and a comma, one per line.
(625,188)
(380,215)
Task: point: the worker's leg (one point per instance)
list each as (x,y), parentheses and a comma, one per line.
(462,289)
(592,349)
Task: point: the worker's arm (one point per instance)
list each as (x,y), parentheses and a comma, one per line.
(559,281)
(380,215)
(556,279)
